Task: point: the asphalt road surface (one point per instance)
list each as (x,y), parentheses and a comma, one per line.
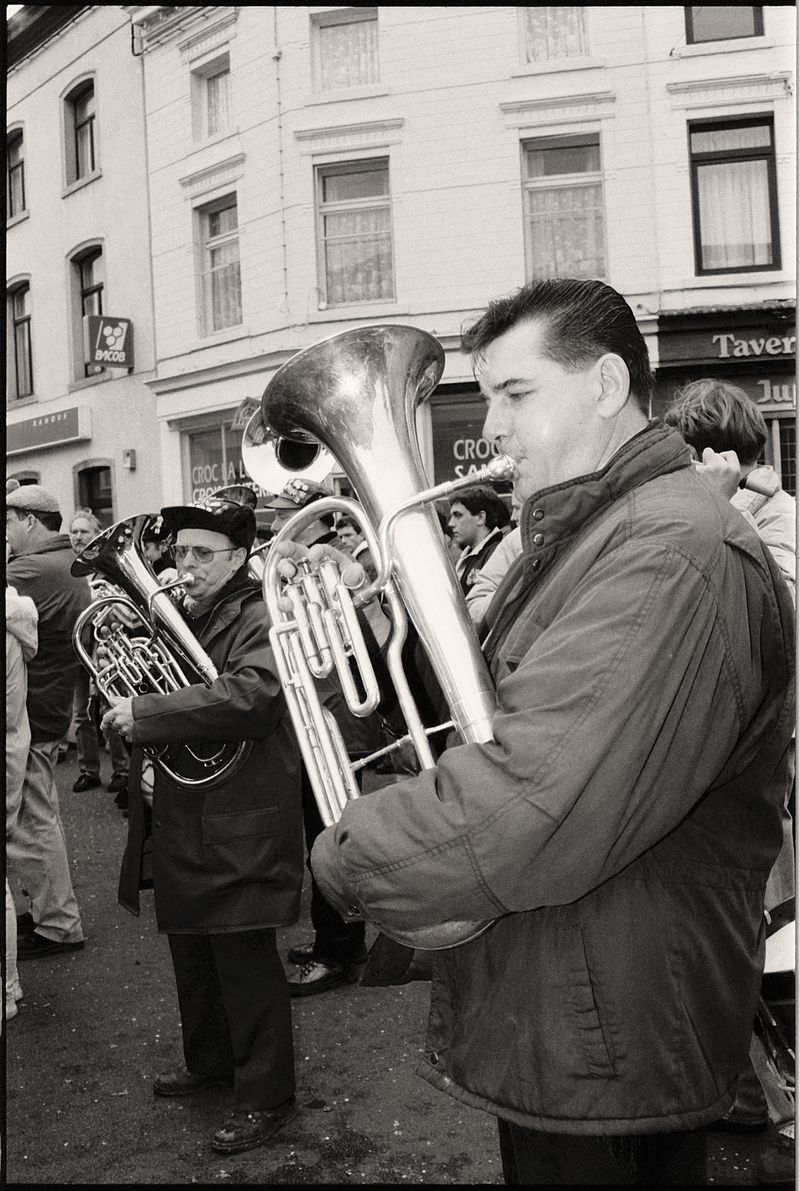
(95,1026)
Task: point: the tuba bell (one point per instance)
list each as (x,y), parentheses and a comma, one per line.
(157,654)
(357,394)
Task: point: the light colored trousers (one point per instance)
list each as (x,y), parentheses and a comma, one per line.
(37,851)
(87,740)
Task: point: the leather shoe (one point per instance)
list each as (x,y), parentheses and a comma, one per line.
(245,1130)
(181,1082)
(776,1166)
(304,954)
(86,781)
(736,1122)
(316,977)
(119,782)
(35,946)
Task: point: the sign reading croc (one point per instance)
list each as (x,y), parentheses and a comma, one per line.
(108,341)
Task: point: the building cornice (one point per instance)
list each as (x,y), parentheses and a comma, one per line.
(745,88)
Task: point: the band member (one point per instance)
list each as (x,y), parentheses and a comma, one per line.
(227,863)
(617,833)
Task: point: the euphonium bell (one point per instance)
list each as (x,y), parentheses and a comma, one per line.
(271,460)
(357,393)
(159,654)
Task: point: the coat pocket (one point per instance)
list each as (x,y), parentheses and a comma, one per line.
(584,1001)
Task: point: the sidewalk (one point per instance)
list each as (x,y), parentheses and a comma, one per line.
(96,1026)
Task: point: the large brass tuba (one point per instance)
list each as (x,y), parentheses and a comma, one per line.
(357,394)
(149,650)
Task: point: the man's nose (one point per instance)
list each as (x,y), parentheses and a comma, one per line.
(494,424)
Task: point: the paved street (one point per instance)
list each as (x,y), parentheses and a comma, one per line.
(95,1026)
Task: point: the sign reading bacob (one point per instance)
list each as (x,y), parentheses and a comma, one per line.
(107,341)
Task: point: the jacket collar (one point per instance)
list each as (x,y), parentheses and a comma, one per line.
(240,588)
(59,542)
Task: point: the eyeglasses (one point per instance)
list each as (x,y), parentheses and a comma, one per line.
(202,554)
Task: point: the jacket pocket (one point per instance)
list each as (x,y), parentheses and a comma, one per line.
(223,829)
(584,1002)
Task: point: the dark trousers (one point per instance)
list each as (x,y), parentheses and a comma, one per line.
(236,1013)
(536,1159)
(335,941)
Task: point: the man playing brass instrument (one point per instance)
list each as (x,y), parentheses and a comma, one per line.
(227,863)
(620,826)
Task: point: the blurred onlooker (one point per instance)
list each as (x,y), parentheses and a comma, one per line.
(83,527)
(39,567)
(354,544)
(21,641)
(157,551)
(478,517)
(488,578)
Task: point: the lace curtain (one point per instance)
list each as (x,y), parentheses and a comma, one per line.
(554,33)
(358,256)
(218,92)
(566,232)
(347,54)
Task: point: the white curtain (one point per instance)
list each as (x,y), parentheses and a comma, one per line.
(348,54)
(566,230)
(219,102)
(734,214)
(358,256)
(225,286)
(554,33)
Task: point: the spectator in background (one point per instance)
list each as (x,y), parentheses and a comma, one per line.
(489,577)
(353,543)
(83,527)
(39,567)
(156,548)
(477,518)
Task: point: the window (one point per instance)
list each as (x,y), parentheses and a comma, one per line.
(345,49)
(734,195)
(553,33)
(95,492)
(563,195)
(721,22)
(15,198)
(212,111)
(81,132)
(19,301)
(89,271)
(220,273)
(354,233)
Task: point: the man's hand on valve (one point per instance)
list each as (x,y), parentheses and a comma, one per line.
(119,717)
(353,575)
(721,471)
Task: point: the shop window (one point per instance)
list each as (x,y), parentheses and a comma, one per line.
(212,111)
(80,132)
(354,233)
(15,174)
(345,49)
(734,195)
(552,33)
(20,377)
(220,275)
(213,459)
(564,216)
(722,22)
(95,492)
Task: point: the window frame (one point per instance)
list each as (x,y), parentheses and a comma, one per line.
(12,294)
(758,27)
(697,160)
(72,126)
(15,136)
(80,474)
(565,182)
(332,169)
(542,63)
(206,243)
(342,16)
(200,75)
(80,292)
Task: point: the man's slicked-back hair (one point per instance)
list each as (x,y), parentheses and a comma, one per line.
(583,320)
(718,414)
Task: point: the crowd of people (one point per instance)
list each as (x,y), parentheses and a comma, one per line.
(617,847)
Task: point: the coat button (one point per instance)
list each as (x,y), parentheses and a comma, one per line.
(538,514)
(538,538)
(537,562)
(434,1058)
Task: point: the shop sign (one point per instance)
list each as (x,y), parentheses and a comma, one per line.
(682,344)
(215,461)
(107,341)
(459,448)
(776,345)
(49,430)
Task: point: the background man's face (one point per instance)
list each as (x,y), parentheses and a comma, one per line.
(468,528)
(349,537)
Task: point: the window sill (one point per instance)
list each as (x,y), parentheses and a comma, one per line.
(20,218)
(556,66)
(19,402)
(729,45)
(333,314)
(204,142)
(226,335)
(347,93)
(81,182)
(86,382)
(736,277)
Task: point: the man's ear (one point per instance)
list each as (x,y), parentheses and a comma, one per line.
(615,385)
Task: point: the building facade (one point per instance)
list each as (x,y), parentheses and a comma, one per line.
(317,168)
(81,419)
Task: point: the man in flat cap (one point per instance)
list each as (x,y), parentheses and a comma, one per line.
(39,567)
(227,862)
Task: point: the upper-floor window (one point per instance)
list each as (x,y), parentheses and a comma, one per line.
(564,219)
(19,322)
(719,22)
(90,275)
(354,232)
(81,132)
(221,281)
(345,49)
(554,33)
(212,110)
(15,158)
(734,195)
